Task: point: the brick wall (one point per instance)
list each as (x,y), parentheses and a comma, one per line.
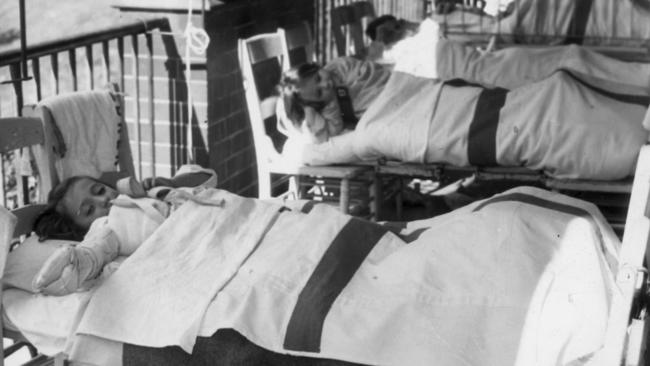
(231,150)
(156,92)
(220,125)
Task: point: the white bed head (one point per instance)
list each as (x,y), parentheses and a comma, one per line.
(625,340)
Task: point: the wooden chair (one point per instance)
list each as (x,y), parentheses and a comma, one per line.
(46,155)
(299,43)
(18,133)
(348,27)
(263,58)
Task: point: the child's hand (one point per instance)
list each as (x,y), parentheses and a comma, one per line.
(60,274)
(151,182)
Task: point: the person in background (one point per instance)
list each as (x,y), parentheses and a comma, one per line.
(322,102)
(384,32)
(107,223)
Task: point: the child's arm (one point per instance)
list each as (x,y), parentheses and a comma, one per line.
(320,126)
(182,180)
(188,176)
(71,268)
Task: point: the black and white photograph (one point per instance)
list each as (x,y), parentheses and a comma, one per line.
(325,182)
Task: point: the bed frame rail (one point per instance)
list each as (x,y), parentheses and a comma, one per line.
(627,328)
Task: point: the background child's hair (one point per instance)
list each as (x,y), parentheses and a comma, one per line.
(52,223)
(293,103)
(371,28)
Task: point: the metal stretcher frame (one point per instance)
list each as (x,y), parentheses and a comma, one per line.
(445,174)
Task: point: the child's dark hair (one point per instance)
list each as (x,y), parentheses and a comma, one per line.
(293,103)
(53,223)
(371,28)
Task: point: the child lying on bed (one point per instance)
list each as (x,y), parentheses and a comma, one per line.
(309,92)
(322,102)
(85,209)
(428,54)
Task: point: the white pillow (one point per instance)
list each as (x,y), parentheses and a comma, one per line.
(27,259)
(7,226)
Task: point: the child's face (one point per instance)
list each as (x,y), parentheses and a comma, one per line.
(317,88)
(87,200)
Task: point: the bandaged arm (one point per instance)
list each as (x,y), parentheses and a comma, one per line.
(72,268)
(320,126)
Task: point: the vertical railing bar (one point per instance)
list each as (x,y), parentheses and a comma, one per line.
(120,55)
(36,70)
(136,80)
(3,174)
(16,71)
(72,58)
(54,60)
(149,40)
(23,38)
(107,61)
(91,65)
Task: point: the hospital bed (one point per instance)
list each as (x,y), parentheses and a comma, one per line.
(538,24)
(626,327)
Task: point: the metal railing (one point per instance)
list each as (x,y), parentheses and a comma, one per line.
(80,62)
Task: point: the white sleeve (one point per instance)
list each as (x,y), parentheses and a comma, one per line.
(337,150)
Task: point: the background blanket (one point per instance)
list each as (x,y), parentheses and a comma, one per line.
(561,125)
(559,20)
(530,282)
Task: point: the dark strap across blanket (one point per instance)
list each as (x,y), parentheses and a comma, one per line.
(481,144)
(350,119)
(481,141)
(578,25)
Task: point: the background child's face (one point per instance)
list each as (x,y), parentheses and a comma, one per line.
(87,200)
(317,88)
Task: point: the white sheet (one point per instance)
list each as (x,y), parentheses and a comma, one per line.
(47,322)
(557,125)
(413,304)
(182,265)
(530,282)
(612,20)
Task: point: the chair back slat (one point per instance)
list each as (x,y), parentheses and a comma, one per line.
(262,59)
(26,216)
(264,47)
(299,43)
(19,132)
(347,27)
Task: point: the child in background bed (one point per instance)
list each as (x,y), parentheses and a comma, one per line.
(384,32)
(309,93)
(108,224)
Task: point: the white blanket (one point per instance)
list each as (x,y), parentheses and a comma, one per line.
(529,284)
(88,124)
(558,125)
(176,272)
(612,20)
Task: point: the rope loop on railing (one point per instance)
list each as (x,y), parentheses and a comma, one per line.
(197,39)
